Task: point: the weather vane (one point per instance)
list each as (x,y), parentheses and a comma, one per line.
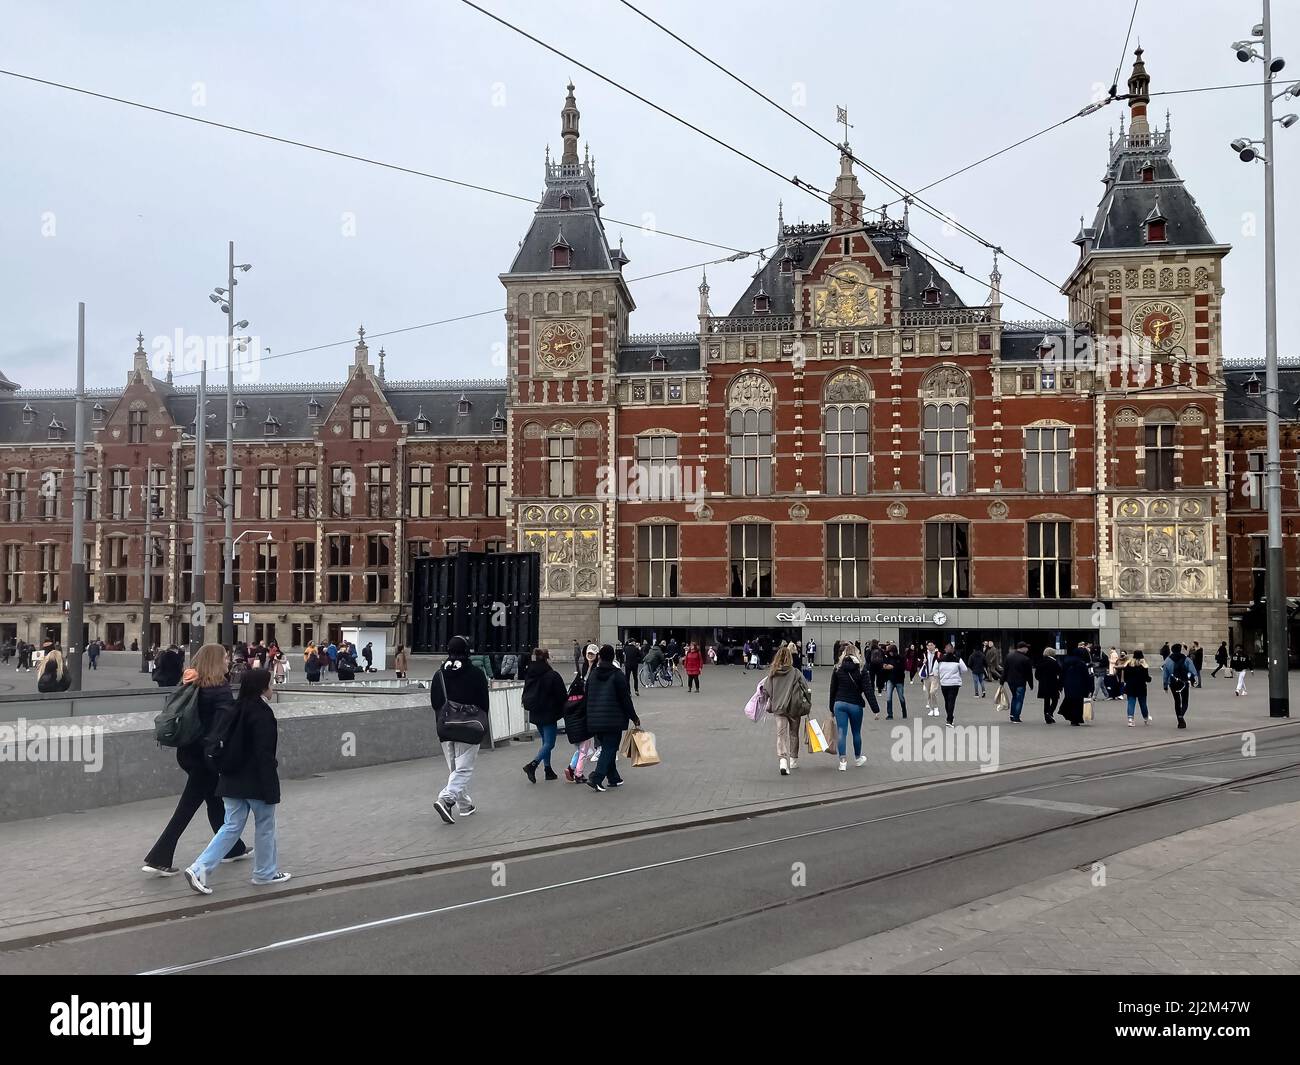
(842,116)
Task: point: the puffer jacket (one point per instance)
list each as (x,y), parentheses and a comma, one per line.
(609,701)
(847,683)
(788,694)
(544,693)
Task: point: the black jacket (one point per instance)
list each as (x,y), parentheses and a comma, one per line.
(847,684)
(463,683)
(631,656)
(897,673)
(215,705)
(1136,679)
(1221,655)
(50,681)
(1239,660)
(544,693)
(1198,657)
(1018,671)
(1076,678)
(168,669)
(253,776)
(609,701)
(976,661)
(1049,678)
(312,668)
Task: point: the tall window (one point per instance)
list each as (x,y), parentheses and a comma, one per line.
(12,591)
(947,560)
(1048,555)
(1047,459)
(379,491)
(187,573)
(1254,483)
(15,494)
(236,491)
(304,492)
(496,491)
(947,448)
(340,550)
(848,450)
(92,494)
(301,634)
(847,572)
(49,492)
(158,570)
(268,493)
(343,486)
(236,579)
(115,570)
(559,466)
(377,551)
(656,560)
(338,588)
(304,572)
(158,492)
(657,457)
(1160,457)
(47,590)
(137,421)
(360,421)
(458,491)
(415,549)
(378,583)
(1258,568)
(750,433)
(751,560)
(265,575)
(421,501)
(119,494)
(189,496)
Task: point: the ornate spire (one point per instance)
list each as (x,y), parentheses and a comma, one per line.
(1139,82)
(705,312)
(780,218)
(362,354)
(569,129)
(846,198)
(381,364)
(995,288)
(141,365)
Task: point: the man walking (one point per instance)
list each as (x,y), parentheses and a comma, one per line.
(1198,658)
(1221,660)
(810,649)
(1178,676)
(92,653)
(609,709)
(1020,675)
(459,688)
(632,664)
(577,658)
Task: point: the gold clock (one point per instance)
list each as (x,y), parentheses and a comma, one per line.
(1159,323)
(560,345)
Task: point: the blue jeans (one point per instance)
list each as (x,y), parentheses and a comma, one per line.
(978,679)
(548,733)
(237,811)
(1017,701)
(846,715)
(895,686)
(1138,700)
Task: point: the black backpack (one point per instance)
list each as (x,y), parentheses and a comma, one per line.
(1179,679)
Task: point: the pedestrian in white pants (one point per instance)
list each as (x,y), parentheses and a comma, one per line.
(1241,682)
(459,695)
(460,760)
(930,680)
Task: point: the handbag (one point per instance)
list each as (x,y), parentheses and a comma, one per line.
(639,746)
(459,722)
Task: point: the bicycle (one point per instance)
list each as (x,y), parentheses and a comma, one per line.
(665,676)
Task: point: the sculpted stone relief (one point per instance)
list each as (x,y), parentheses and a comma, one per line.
(750,391)
(946,382)
(1164,547)
(570,556)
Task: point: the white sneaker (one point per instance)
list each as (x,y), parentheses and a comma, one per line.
(794,763)
(844,765)
(1130,722)
(196,882)
(860,760)
(785,768)
(1146,721)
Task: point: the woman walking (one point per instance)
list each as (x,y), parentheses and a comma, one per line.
(312,668)
(1048,676)
(910,663)
(790,699)
(544,697)
(1240,663)
(54,674)
(948,671)
(248,783)
(1076,684)
(208,672)
(582,757)
(401,662)
(1136,678)
(693,663)
(847,698)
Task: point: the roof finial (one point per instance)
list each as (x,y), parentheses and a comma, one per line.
(361,333)
(381,364)
(1139,83)
(569,129)
(139,342)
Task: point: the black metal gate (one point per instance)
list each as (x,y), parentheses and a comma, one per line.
(490,599)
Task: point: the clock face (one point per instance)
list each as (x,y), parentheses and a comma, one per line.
(1159,324)
(560,345)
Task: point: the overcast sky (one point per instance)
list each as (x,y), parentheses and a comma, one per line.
(130,211)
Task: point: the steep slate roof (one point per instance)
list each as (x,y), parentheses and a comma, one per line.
(1238,406)
(679,355)
(1023,345)
(64,408)
(580,227)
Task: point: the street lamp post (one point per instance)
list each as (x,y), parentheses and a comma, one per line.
(1276,623)
(229,620)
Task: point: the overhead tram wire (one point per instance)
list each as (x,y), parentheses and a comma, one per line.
(411,171)
(1114,81)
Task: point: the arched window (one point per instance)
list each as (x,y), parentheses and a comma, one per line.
(945,393)
(750,435)
(846,428)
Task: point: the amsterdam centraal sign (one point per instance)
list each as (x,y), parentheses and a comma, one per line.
(800,615)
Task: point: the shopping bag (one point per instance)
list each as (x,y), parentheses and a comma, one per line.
(759,705)
(832,733)
(643,748)
(816,737)
(627,748)
(1087,709)
(1002,701)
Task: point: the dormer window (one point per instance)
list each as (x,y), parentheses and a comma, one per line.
(98,414)
(313,408)
(762,302)
(271,427)
(463,406)
(931,295)
(1155,225)
(498,422)
(658,364)
(1148,172)
(787,263)
(56,429)
(1253,386)
(29,415)
(566,202)
(561,253)
(421,422)
(241,408)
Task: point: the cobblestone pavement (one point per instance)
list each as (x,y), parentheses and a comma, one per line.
(77,870)
(1220,899)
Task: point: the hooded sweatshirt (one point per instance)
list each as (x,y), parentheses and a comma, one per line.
(788,693)
(544,693)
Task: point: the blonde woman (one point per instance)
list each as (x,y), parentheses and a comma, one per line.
(54,674)
(209,671)
(790,699)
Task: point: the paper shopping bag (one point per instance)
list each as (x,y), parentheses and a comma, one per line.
(1087,709)
(816,737)
(1002,701)
(832,733)
(643,748)
(627,748)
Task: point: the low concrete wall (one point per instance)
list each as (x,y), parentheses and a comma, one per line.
(80,704)
(107,759)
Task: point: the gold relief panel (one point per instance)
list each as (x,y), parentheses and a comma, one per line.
(847,299)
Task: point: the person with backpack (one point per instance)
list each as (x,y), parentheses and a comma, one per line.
(1240,663)
(876,665)
(544,698)
(1221,660)
(789,698)
(848,691)
(1178,675)
(609,711)
(693,663)
(930,679)
(55,676)
(207,704)
(346,665)
(1049,683)
(976,666)
(312,668)
(1136,678)
(459,695)
(896,681)
(948,672)
(332,653)
(368,653)
(243,754)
